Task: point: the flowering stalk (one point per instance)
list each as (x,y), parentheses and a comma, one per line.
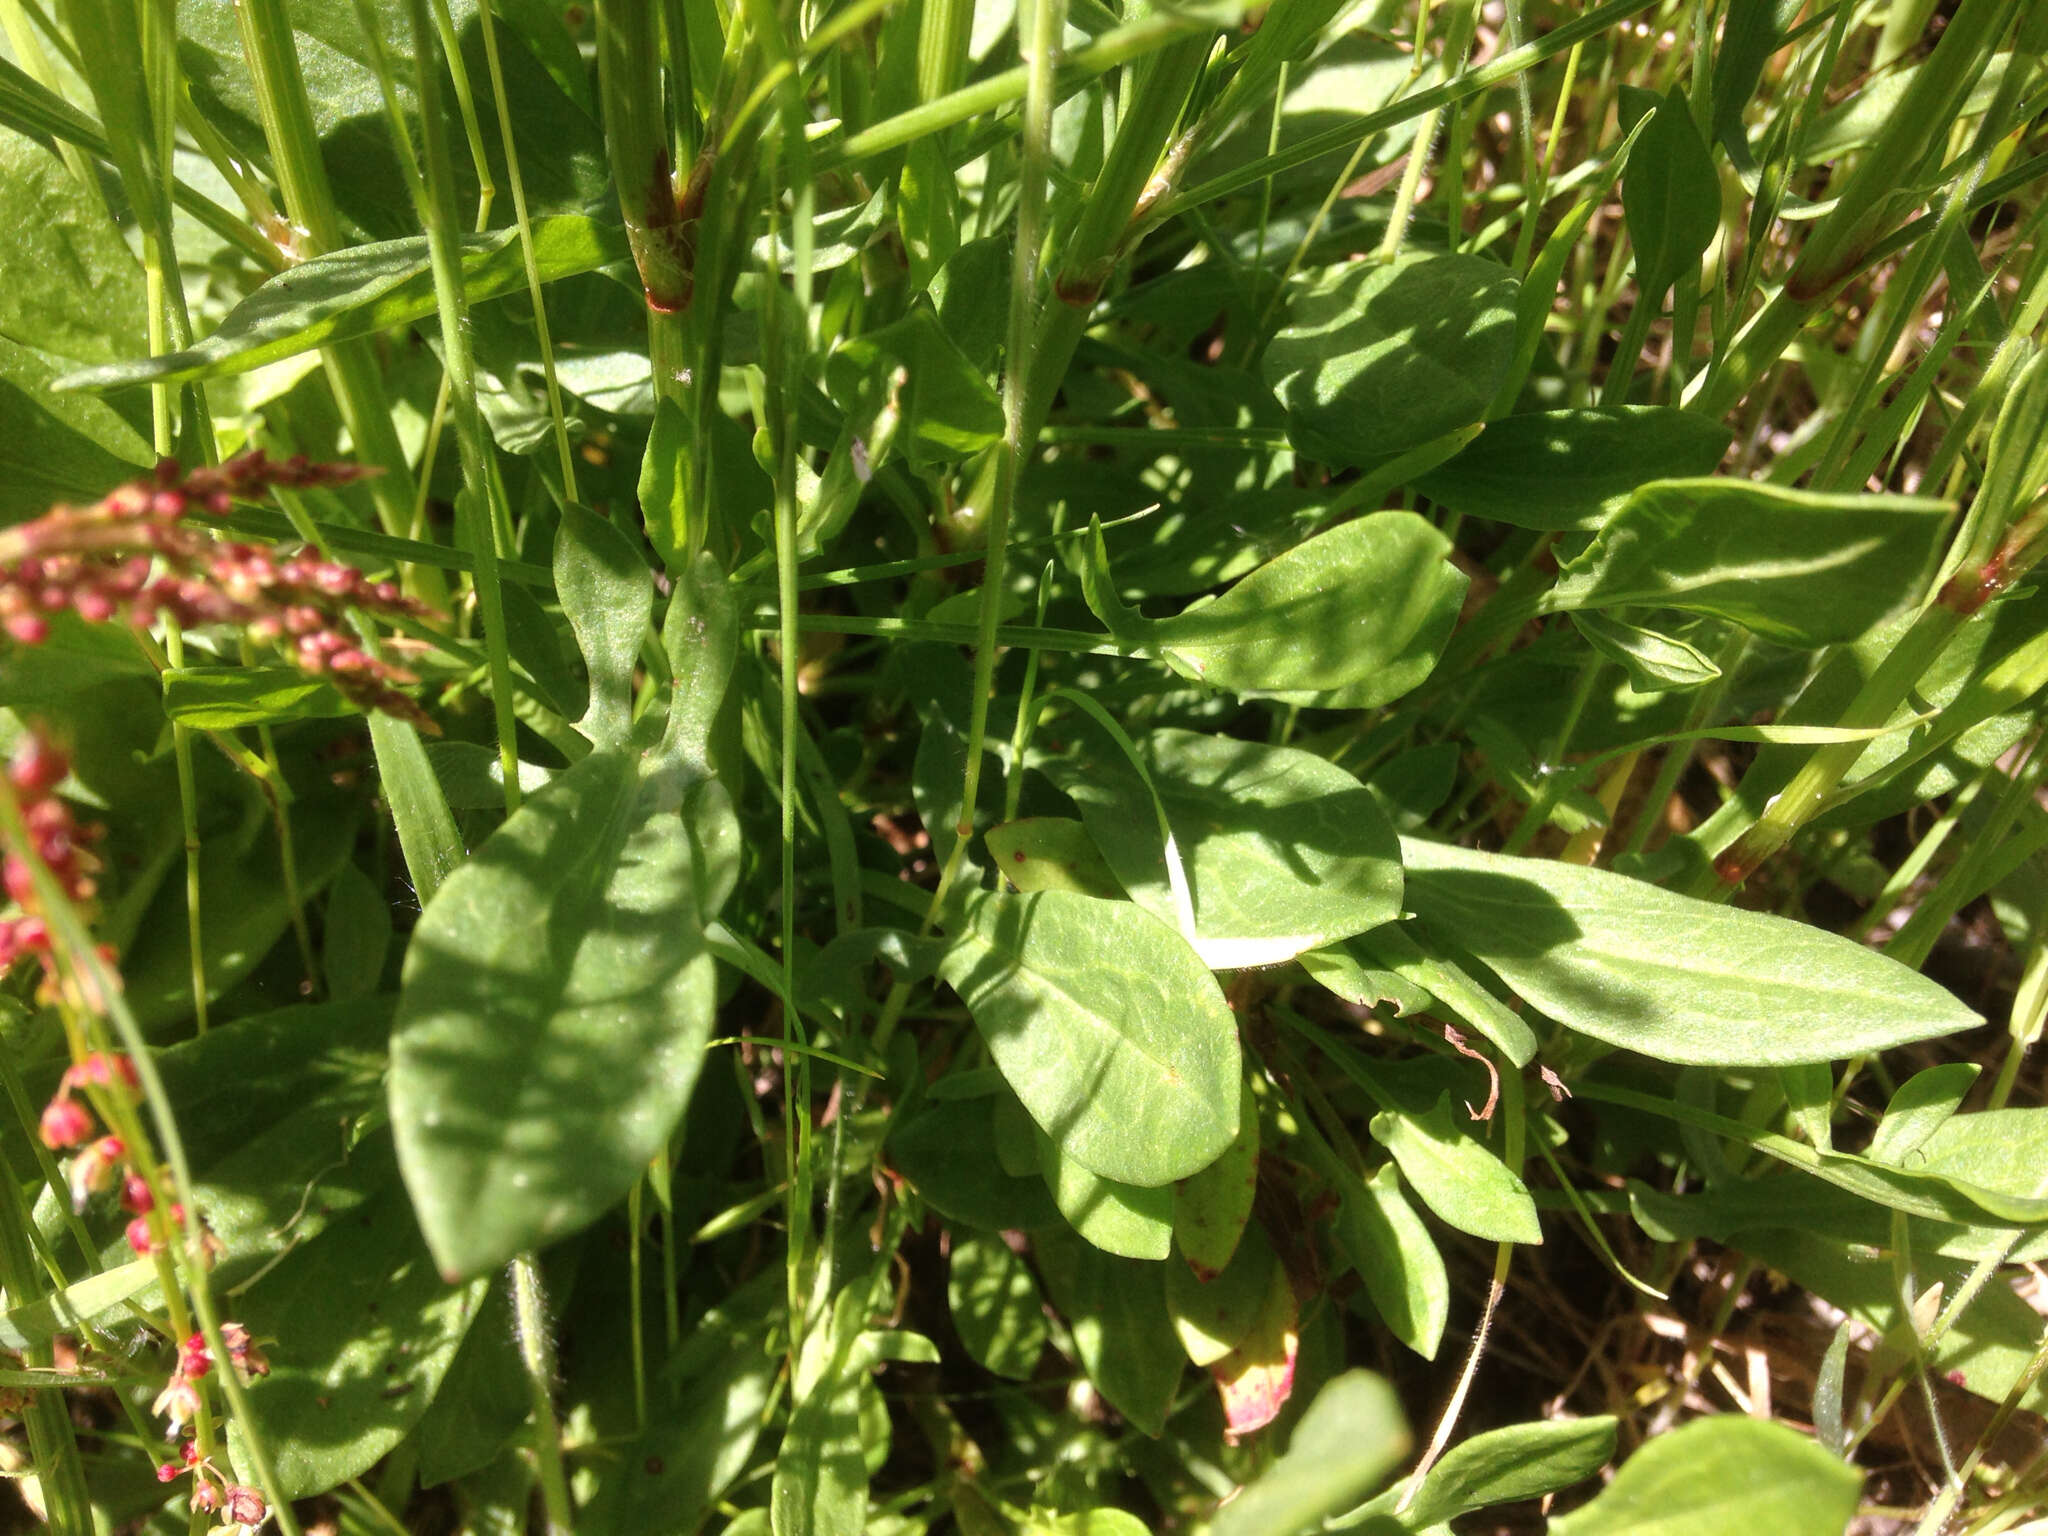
(97,1110)
(135,555)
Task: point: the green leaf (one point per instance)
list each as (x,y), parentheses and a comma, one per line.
(1457,1177)
(1670,976)
(1452,987)
(1051,853)
(1397,1258)
(1723,1476)
(74,288)
(228,698)
(1352,1435)
(1366,606)
(1921,1106)
(358,292)
(57,448)
(948,1152)
(340,1395)
(1378,357)
(608,598)
(1795,566)
(1210,1208)
(1283,851)
(557,997)
(1670,198)
(908,384)
(704,1417)
(243,904)
(996,1307)
(1111,1031)
(483,1400)
(355,935)
(820,1485)
(1116,1312)
(1655,663)
(541,651)
(1213,1314)
(1117,1218)
(36,1323)
(1562,470)
(1502,1466)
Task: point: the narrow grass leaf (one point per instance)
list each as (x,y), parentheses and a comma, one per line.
(358,292)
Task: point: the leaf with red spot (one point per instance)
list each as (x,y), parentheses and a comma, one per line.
(1257,1377)
(1215,1315)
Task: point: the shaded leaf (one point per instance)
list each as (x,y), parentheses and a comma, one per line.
(1567,469)
(1397,1258)
(1210,1208)
(1367,605)
(1351,1436)
(1117,1315)
(1670,197)
(1377,357)
(557,997)
(996,1307)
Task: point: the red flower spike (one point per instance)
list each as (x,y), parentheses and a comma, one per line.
(96,561)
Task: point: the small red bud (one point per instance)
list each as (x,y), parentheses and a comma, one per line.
(66,1122)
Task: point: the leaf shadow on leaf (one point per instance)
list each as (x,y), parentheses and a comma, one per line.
(549,1057)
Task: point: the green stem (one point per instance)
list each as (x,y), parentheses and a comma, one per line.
(537,1356)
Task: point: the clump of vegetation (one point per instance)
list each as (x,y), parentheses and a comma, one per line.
(912,765)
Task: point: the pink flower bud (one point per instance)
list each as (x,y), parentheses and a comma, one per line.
(28,628)
(194,1359)
(205,1497)
(135,1195)
(38,767)
(66,1122)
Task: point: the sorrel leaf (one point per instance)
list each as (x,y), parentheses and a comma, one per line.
(1111,1031)
(557,997)
(1667,975)
(1377,357)
(1795,566)
(1723,1476)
